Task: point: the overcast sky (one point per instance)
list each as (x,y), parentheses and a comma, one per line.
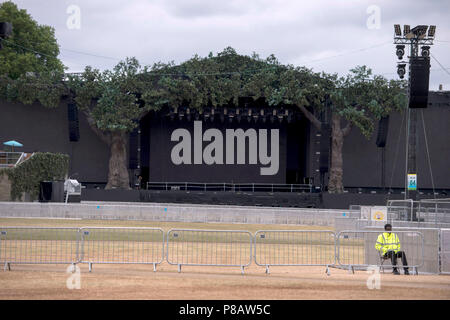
(325,35)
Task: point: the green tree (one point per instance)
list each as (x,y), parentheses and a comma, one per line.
(110,101)
(30,48)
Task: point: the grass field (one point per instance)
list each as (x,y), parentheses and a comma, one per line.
(135,281)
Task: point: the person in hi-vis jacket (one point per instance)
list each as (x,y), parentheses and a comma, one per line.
(389,246)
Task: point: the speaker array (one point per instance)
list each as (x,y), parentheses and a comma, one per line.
(419,82)
(383,126)
(74,130)
(325,141)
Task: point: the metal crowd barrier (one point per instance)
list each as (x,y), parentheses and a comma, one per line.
(115,245)
(197,247)
(209,248)
(39,245)
(356,249)
(445,251)
(295,248)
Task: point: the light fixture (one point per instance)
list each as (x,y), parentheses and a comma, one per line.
(431,31)
(401,70)
(398,31)
(425,51)
(419,31)
(406,29)
(400,51)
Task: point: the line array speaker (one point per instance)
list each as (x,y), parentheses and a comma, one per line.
(419,82)
(325,141)
(133,152)
(74,129)
(383,126)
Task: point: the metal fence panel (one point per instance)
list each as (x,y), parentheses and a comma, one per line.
(434,211)
(122,245)
(357,249)
(445,251)
(209,247)
(39,245)
(294,248)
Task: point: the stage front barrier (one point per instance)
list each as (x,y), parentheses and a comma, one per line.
(356,250)
(122,245)
(223,248)
(295,248)
(445,251)
(38,245)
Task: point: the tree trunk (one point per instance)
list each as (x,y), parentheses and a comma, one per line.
(335,184)
(118,174)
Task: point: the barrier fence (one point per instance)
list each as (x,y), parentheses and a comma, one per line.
(356,249)
(209,248)
(107,245)
(39,245)
(295,248)
(200,247)
(445,251)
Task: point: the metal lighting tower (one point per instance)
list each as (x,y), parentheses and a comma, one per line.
(414,37)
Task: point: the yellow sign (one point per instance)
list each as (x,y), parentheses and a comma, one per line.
(378,213)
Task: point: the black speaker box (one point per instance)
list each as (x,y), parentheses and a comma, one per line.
(133,152)
(325,141)
(419,82)
(72,114)
(383,126)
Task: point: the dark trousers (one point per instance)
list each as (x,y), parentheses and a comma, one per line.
(394,256)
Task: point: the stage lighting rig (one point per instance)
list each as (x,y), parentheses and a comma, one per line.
(418,84)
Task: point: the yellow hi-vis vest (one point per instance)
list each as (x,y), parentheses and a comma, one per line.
(387,242)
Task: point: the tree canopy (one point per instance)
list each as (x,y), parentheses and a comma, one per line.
(30,48)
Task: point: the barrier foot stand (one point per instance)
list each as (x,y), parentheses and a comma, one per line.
(351,270)
(327,271)
(74,267)
(415,271)
(242,269)
(154,267)
(267,270)
(90,267)
(179,268)
(7,266)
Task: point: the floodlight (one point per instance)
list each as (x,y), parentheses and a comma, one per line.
(398,31)
(401,70)
(419,31)
(425,51)
(400,51)
(431,31)
(406,29)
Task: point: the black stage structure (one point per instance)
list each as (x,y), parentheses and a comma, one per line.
(250,154)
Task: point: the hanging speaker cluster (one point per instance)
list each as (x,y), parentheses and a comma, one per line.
(419,82)
(383,126)
(325,142)
(72,114)
(133,154)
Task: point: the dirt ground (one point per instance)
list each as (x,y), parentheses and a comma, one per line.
(211,283)
(125,282)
